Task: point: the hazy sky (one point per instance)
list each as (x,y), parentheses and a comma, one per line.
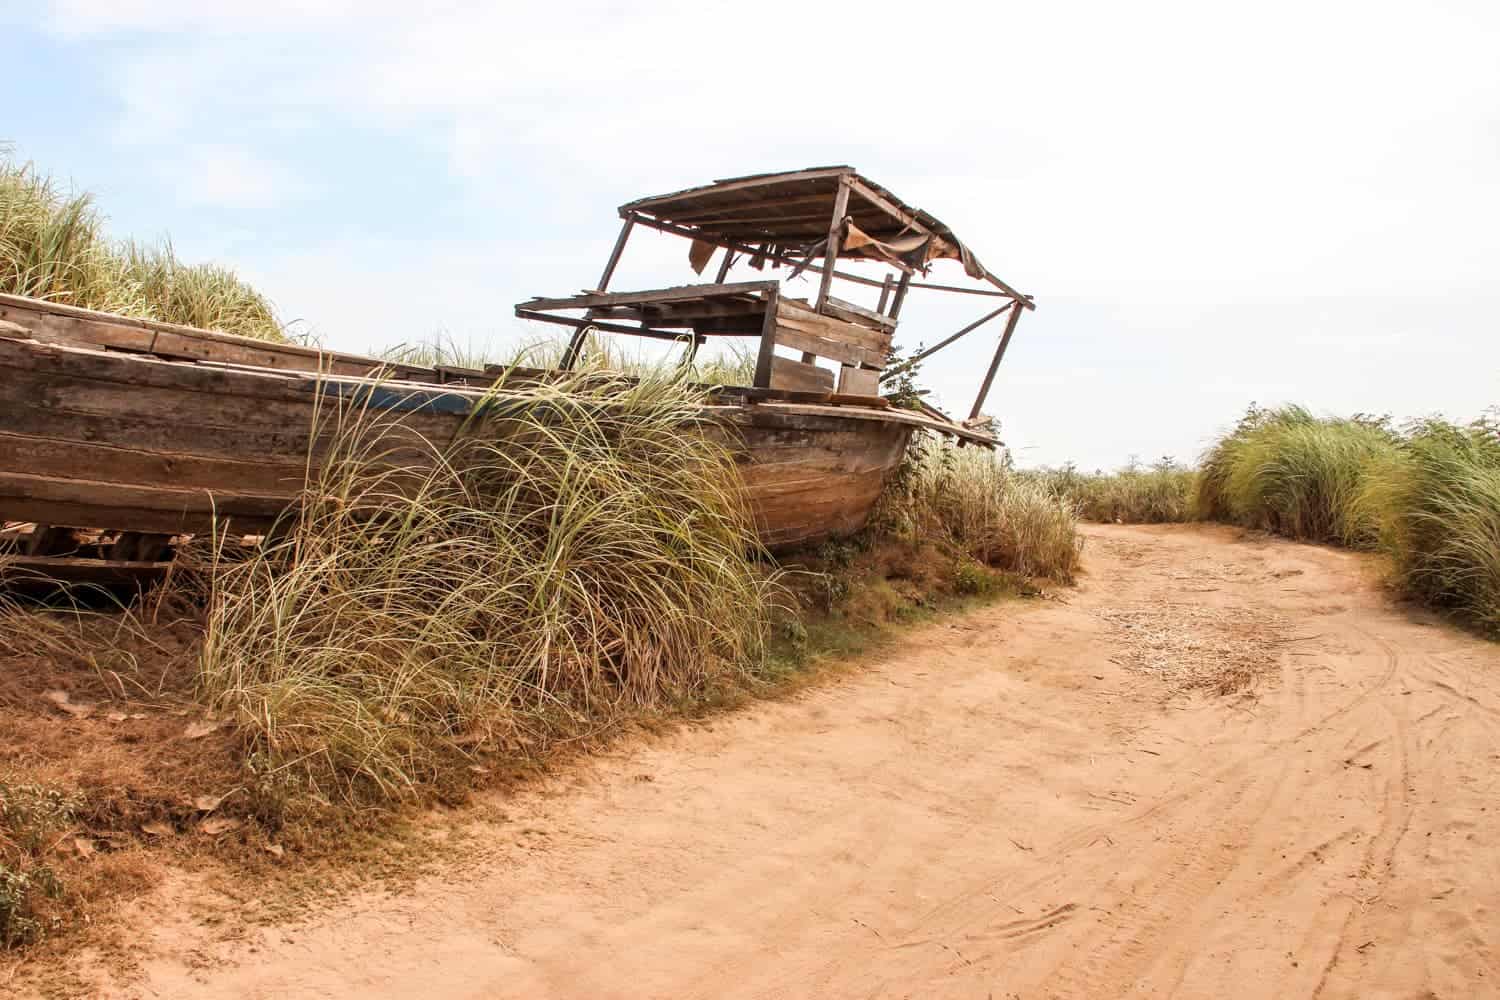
(1212,203)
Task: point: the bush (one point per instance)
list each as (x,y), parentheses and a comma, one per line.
(31,817)
(973,500)
(1157,494)
(1436,504)
(581,548)
(52,246)
(1294,474)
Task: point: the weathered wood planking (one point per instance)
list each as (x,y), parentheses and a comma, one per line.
(52,322)
(799,376)
(93,439)
(802,328)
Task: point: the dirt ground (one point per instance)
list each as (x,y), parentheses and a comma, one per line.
(1222,766)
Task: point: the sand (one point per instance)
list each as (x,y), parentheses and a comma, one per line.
(1221,767)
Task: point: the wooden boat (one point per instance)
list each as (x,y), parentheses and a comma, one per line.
(146,431)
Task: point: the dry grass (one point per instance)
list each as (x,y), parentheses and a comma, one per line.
(1197,648)
(971,499)
(53,246)
(581,550)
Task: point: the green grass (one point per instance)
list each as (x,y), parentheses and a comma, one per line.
(725,363)
(1295,474)
(973,501)
(1135,494)
(1435,505)
(53,246)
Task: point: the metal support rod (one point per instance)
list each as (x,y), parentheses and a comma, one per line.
(835,241)
(900,296)
(909,362)
(614,256)
(984,390)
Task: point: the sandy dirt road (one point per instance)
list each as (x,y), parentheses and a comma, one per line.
(1017,803)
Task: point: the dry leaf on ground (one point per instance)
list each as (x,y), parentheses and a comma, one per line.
(62,700)
(200,729)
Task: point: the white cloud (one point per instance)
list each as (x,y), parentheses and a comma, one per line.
(231,177)
(1217,188)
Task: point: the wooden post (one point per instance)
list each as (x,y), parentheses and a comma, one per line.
(614,256)
(1010,328)
(724,267)
(885,294)
(835,240)
(909,362)
(767,342)
(900,295)
(575,348)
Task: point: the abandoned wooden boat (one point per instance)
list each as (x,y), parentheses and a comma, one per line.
(145,431)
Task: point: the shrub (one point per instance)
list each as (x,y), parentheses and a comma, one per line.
(582,547)
(1156,494)
(1436,504)
(1289,472)
(973,500)
(31,817)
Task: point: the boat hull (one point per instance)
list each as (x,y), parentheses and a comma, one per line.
(128,442)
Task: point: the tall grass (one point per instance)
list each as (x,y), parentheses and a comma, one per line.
(580,548)
(1290,472)
(726,363)
(1135,494)
(1436,505)
(973,500)
(52,246)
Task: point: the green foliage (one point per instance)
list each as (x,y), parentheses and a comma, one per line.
(52,246)
(1287,471)
(1436,507)
(31,817)
(1156,494)
(972,499)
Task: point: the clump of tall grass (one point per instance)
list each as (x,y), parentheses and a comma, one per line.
(202,295)
(52,246)
(972,499)
(1287,471)
(1160,493)
(1436,504)
(579,549)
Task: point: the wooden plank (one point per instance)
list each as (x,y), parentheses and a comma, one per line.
(770,329)
(858,381)
(736,213)
(727,187)
(835,240)
(90,504)
(54,322)
(789,374)
(851,313)
(614,255)
(909,362)
(678,292)
(27,572)
(875,198)
(984,390)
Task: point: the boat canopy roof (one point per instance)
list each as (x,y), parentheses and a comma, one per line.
(788,214)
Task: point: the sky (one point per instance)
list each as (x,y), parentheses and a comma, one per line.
(1212,204)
